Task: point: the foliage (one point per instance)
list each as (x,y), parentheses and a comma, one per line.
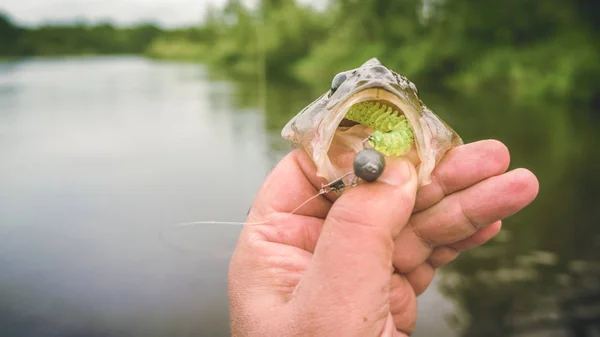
(9,36)
(76,39)
(529,50)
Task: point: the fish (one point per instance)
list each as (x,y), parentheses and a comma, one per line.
(373,105)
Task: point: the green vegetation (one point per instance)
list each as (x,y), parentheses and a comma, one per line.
(76,39)
(525,50)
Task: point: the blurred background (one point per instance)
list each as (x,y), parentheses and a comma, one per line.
(120,119)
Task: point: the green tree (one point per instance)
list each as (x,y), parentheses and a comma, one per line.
(9,36)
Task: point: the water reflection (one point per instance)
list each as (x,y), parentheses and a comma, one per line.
(541,277)
(99,155)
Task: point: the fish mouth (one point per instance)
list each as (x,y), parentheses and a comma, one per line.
(351,129)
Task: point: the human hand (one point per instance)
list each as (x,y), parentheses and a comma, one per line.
(354,268)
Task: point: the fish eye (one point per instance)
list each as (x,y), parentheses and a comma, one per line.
(337,81)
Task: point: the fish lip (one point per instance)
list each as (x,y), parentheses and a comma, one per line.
(401,94)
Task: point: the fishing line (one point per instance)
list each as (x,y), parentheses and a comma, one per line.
(229,223)
(233,223)
(334,186)
(368,166)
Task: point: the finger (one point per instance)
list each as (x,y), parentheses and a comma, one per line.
(351,266)
(403,304)
(421,278)
(461,214)
(292,182)
(480,237)
(443,255)
(462,167)
(303,232)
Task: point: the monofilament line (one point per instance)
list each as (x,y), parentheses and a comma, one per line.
(233,223)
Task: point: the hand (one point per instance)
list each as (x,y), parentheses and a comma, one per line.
(355,267)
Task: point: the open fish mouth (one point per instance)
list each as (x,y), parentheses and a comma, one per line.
(374,115)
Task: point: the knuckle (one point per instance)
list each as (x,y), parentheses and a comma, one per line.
(467,218)
(442,255)
(421,278)
(439,181)
(418,233)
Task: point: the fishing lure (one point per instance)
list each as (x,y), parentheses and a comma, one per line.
(393,135)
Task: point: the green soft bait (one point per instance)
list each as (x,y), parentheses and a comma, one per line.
(393,135)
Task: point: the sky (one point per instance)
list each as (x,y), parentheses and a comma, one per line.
(169,13)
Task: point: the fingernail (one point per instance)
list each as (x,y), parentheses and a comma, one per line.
(398,171)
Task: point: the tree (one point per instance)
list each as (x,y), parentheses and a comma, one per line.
(9,36)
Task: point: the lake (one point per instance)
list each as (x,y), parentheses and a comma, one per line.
(101,157)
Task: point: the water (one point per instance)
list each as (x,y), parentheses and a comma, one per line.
(99,155)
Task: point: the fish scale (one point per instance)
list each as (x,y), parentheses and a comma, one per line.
(393,135)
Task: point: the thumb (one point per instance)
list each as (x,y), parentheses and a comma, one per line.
(352,263)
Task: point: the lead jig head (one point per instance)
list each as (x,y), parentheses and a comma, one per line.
(368,164)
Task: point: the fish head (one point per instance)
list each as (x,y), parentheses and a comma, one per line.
(331,140)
